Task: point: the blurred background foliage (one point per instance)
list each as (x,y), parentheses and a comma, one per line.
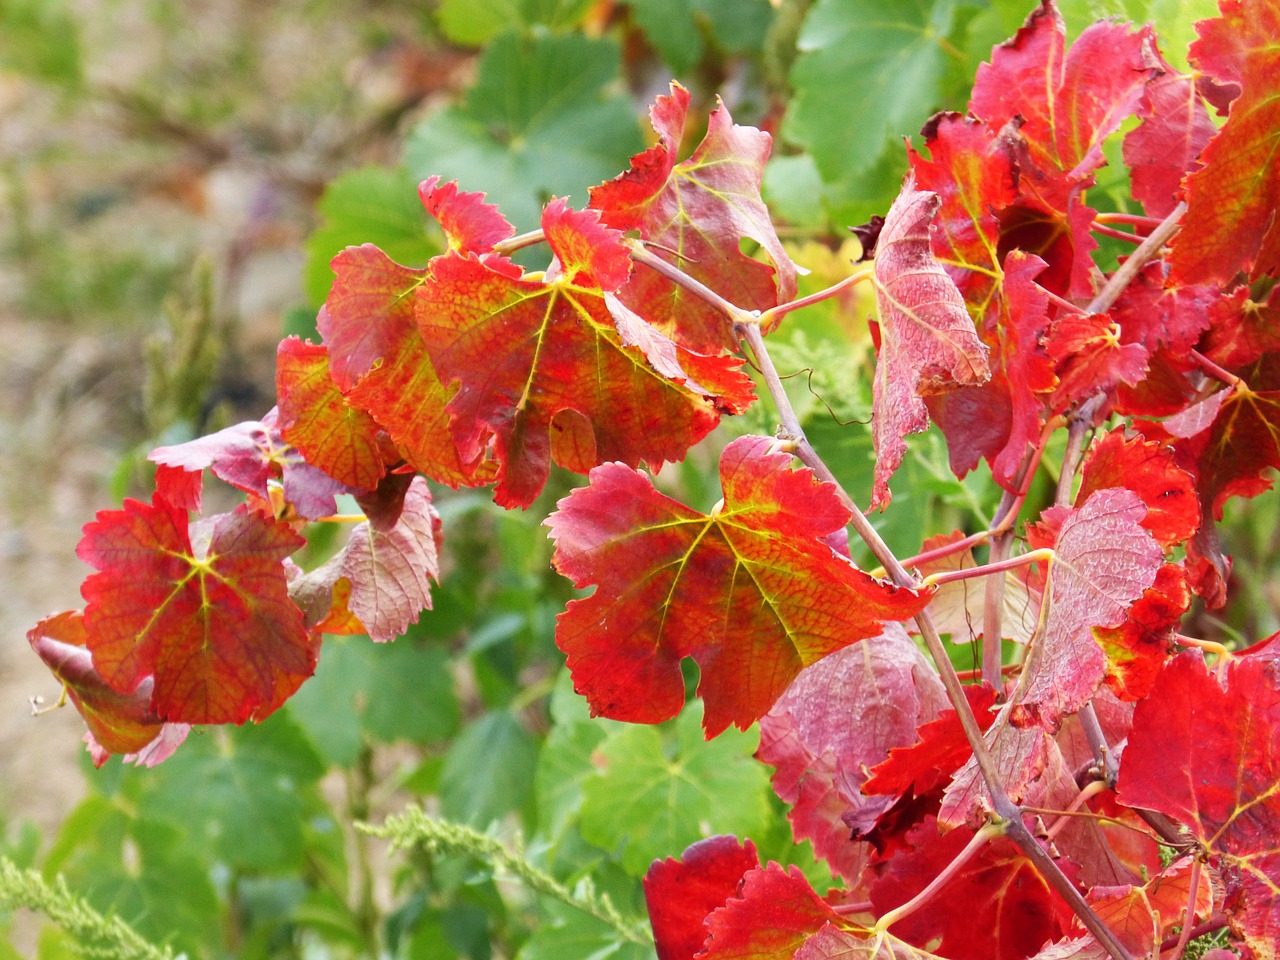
(174,179)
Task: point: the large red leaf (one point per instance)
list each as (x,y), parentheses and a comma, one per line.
(679,894)
(1230,224)
(773,915)
(838,718)
(1205,750)
(117,722)
(996,907)
(752,592)
(928,344)
(1064,103)
(544,373)
(1103,561)
(379,361)
(213,623)
(696,213)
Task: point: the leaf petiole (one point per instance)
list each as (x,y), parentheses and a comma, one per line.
(980,839)
(1045,554)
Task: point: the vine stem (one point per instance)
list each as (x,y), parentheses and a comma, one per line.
(1009,815)
(988,569)
(1189,921)
(1146,251)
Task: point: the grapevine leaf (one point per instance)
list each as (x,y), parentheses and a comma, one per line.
(1002,418)
(648,796)
(1153,312)
(831,943)
(1205,750)
(681,893)
(1003,908)
(390,566)
(928,344)
(866,72)
(697,213)
(774,912)
(1019,754)
(488,771)
(1142,916)
(378,359)
(1230,224)
(972,170)
(1241,329)
(1091,356)
(676,27)
(1103,561)
(1166,145)
(473,22)
(213,624)
(247,456)
(544,372)
(507,138)
(1065,103)
(118,723)
(1136,648)
(838,718)
(939,752)
(752,592)
(316,419)
(470,225)
(1149,470)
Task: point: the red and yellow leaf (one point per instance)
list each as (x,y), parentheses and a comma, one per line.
(544,373)
(1149,470)
(1230,224)
(1205,750)
(212,624)
(752,592)
(696,213)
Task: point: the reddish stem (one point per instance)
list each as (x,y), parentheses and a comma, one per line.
(1215,371)
(777,313)
(1145,224)
(944,877)
(505,248)
(987,569)
(1117,234)
(1189,920)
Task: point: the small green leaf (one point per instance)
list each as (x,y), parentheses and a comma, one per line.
(545,118)
(658,790)
(488,771)
(370,205)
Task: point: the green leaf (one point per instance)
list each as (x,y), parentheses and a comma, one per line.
(472,22)
(544,119)
(567,932)
(659,789)
(563,763)
(242,794)
(370,205)
(868,72)
(677,28)
(132,867)
(488,771)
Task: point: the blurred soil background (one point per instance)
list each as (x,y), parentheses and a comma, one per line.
(159,167)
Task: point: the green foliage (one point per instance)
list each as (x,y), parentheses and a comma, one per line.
(545,118)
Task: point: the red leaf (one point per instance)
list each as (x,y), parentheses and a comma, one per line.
(544,373)
(1091,356)
(773,915)
(679,894)
(928,344)
(118,723)
(696,213)
(1149,470)
(939,752)
(839,717)
(1103,561)
(379,361)
(751,592)
(1137,648)
(315,418)
(831,943)
(1166,145)
(470,225)
(214,625)
(1205,750)
(390,566)
(971,169)
(247,456)
(1142,916)
(997,907)
(1242,329)
(1230,224)
(1019,754)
